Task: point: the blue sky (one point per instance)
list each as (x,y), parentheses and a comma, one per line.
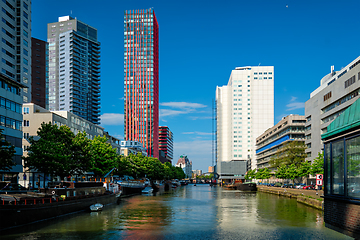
(202,41)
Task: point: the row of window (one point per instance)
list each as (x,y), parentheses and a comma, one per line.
(8,104)
(341,101)
(10,123)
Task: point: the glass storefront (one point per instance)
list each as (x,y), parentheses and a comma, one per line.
(342,167)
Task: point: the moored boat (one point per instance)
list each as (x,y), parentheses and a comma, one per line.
(96,207)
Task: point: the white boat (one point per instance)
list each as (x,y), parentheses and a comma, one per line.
(147,190)
(96,207)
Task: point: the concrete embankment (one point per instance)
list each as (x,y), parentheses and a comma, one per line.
(308,197)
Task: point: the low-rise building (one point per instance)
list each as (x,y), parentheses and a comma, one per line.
(34,116)
(132,147)
(185,164)
(289,128)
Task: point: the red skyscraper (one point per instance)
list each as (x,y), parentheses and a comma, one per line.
(141,79)
(166,142)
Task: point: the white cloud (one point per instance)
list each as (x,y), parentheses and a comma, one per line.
(177,108)
(112,119)
(183,105)
(171,112)
(198,151)
(294,105)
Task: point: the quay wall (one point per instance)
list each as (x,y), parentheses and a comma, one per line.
(300,197)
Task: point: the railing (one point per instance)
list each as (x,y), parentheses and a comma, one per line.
(46,200)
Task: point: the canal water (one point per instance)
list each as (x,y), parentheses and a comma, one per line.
(189,212)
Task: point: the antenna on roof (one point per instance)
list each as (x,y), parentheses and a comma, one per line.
(259,64)
(70,12)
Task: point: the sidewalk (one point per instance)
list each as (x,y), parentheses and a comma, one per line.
(304,192)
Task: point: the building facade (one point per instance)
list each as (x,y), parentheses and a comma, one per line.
(39,73)
(337,91)
(11,121)
(289,128)
(185,164)
(141,79)
(74,68)
(16,43)
(166,138)
(244,110)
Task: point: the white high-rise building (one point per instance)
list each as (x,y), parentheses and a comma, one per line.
(15,43)
(245,109)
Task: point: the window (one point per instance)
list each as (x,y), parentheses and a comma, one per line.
(25,61)
(26,110)
(25,24)
(25,52)
(338,167)
(26,123)
(25,43)
(350,81)
(25,15)
(352,162)
(327,96)
(25,5)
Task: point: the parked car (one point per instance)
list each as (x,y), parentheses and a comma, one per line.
(312,186)
(277,184)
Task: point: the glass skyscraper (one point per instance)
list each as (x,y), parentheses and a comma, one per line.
(141,79)
(74,68)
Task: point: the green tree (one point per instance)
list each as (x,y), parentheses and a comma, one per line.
(81,153)
(169,171)
(304,169)
(292,172)
(281,172)
(123,166)
(317,166)
(292,152)
(103,156)
(7,152)
(179,173)
(251,174)
(52,152)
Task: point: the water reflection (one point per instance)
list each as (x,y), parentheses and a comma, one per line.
(190,212)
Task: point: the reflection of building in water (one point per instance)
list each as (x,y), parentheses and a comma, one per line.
(185,164)
(342,172)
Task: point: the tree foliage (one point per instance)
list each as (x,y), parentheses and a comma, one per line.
(318,165)
(52,152)
(292,152)
(251,174)
(7,152)
(103,156)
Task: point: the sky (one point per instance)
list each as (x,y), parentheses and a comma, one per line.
(201,42)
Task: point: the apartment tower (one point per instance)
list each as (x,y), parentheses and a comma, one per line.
(244,109)
(141,79)
(16,43)
(74,68)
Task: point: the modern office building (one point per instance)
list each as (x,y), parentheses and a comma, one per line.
(186,165)
(39,72)
(74,68)
(289,128)
(141,79)
(244,110)
(337,91)
(11,121)
(166,138)
(16,43)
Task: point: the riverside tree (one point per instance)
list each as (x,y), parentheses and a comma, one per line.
(7,152)
(52,152)
(318,165)
(103,156)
